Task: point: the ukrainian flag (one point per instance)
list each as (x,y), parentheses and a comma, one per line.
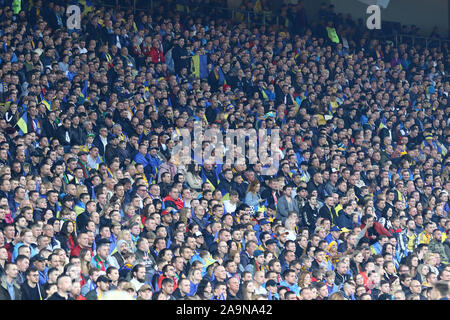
(270,114)
(199,66)
(22,124)
(47,104)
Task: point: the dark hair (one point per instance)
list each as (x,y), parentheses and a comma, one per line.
(201,288)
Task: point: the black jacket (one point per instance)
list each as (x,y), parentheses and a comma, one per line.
(309,216)
(62,137)
(179,63)
(99,144)
(111,152)
(76,136)
(29,293)
(57,296)
(327,213)
(49,128)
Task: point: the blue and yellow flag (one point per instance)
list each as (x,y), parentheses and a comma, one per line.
(270,114)
(22,124)
(199,66)
(47,104)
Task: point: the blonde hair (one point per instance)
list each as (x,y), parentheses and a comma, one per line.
(184,212)
(290,224)
(336,296)
(301,279)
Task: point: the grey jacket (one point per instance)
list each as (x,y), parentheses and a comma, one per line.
(436,246)
(283,208)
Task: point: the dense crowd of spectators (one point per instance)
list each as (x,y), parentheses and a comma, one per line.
(93,201)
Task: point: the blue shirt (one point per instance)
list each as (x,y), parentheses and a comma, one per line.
(11,291)
(294,287)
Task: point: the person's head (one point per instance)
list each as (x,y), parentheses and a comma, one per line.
(167,286)
(138,272)
(440,290)
(64,284)
(305,294)
(103,250)
(103,283)
(11,270)
(290,276)
(185,286)
(415,287)
(233,285)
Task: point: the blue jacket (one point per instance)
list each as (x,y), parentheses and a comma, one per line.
(345,221)
(141,159)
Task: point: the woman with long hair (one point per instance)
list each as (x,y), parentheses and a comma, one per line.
(236,257)
(85,260)
(248,289)
(356,263)
(253,197)
(304,279)
(204,290)
(149,209)
(194,179)
(422,271)
(386,217)
(194,276)
(67,236)
(47,215)
(412,261)
(291,227)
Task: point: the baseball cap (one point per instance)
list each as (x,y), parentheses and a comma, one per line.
(82,153)
(102,241)
(145,287)
(258,253)
(335,228)
(103,278)
(37,257)
(283,232)
(112,136)
(198,234)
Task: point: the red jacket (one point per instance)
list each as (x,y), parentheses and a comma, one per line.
(76,251)
(175,282)
(379,229)
(169,200)
(157,55)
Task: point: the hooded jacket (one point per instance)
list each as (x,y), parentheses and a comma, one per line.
(116,259)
